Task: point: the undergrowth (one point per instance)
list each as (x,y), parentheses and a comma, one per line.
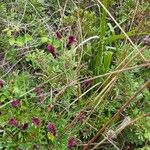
(74,75)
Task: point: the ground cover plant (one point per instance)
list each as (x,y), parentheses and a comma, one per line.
(74,74)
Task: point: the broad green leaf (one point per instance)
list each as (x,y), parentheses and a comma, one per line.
(16,89)
(11,41)
(44,39)
(56,43)
(50,41)
(51,137)
(20,41)
(27,37)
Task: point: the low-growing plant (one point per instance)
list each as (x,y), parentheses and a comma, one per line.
(69,79)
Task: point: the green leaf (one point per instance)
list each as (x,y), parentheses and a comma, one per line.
(27,37)
(41,1)
(16,89)
(57,43)
(51,137)
(11,41)
(9,33)
(114,38)
(6,29)
(111,28)
(107,60)
(44,39)
(20,41)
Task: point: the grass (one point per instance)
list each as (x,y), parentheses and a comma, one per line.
(89,90)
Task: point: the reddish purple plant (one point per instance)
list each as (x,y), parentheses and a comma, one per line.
(71,40)
(41,97)
(52,129)
(86,84)
(24,126)
(1,84)
(38,90)
(15,103)
(39,94)
(81,118)
(36,121)
(58,35)
(71,143)
(52,50)
(13,122)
